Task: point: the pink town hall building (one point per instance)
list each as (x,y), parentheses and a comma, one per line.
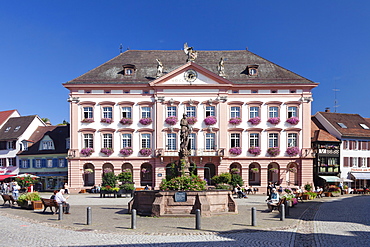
(244,111)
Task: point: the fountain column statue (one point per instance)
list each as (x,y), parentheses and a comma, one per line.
(184,152)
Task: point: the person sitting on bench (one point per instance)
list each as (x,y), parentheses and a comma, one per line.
(61,200)
(274,199)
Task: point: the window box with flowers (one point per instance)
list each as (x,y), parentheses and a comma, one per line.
(88,171)
(87,120)
(293,120)
(145,121)
(255,120)
(235,171)
(292,151)
(254,150)
(274,151)
(106,120)
(145,151)
(171,120)
(106,151)
(126,121)
(126,151)
(274,170)
(210,120)
(191,120)
(235,120)
(236,150)
(87,151)
(255,170)
(274,120)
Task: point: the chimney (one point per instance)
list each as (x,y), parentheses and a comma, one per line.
(327,109)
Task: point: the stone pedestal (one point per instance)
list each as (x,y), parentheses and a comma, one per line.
(163,203)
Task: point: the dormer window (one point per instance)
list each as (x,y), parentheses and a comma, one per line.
(364,126)
(252,70)
(128,69)
(7,129)
(17,128)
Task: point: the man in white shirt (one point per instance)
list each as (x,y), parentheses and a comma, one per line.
(59,198)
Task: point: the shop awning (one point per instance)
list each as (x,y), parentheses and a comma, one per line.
(361,175)
(330,179)
(2,177)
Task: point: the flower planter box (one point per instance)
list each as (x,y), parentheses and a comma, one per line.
(305,197)
(335,194)
(25,205)
(37,205)
(327,194)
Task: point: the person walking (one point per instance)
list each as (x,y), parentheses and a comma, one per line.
(15,190)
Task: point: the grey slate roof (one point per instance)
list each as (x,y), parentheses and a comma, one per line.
(58,134)
(235,64)
(12,124)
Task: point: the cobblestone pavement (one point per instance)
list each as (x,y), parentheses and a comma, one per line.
(111,226)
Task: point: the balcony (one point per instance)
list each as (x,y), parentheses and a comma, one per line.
(197,152)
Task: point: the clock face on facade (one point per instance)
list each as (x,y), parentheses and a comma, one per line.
(190,75)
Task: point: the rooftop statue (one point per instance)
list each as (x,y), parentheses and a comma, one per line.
(192,54)
(221,68)
(159,68)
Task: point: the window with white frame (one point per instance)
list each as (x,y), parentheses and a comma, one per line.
(12,161)
(126,140)
(191,111)
(292,140)
(145,141)
(126,112)
(273,140)
(254,140)
(61,162)
(24,164)
(145,112)
(171,111)
(88,112)
(234,111)
(354,161)
(210,141)
(88,141)
(292,111)
(47,145)
(171,141)
(234,140)
(38,163)
(254,111)
(49,163)
(2,161)
(107,141)
(192,141)
(210,111)
(273,111)
(108,112)
(11,145)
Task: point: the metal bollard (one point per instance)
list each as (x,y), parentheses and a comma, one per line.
(287,208)
(254,216)
(197,219)
(282,212)
(133,219)
(88,216)
(60,214)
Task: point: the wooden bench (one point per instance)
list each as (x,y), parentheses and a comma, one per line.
(50,203)
(277,205)
(8,198)
(299,196)
(319,194)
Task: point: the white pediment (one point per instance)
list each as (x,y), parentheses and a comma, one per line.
(180,79)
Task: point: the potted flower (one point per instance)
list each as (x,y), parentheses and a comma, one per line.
(145,170)
(293,120)
(335,190)
(145,151)
(274,151)
(210,120)
(106,151)
(255,120)
(126,121)
(274,170)
(254,150)
(255,170)
(106,120)
(235,120)
(171,120)
(235,150)
(145,121)
(292,151)
(87,151)
(126,151)
(308,187)
(87,120)
(274,120)
(293,169)
(88,171)
(191,120)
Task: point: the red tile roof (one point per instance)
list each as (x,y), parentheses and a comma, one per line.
(319,133)
(4,115)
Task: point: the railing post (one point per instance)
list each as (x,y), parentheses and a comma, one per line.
(282,212)
(287,208)
(133,219)
(254,216)
(60,214)
(197,219)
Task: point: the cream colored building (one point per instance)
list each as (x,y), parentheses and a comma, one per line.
(141,84)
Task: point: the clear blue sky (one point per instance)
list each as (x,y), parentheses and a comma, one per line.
(46,43)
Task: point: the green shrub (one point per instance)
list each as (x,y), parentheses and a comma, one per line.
(127,186)
(109,179)
(186,182)
(125,176)
(236,180)
(224,187)
(30,196)
(223,178)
